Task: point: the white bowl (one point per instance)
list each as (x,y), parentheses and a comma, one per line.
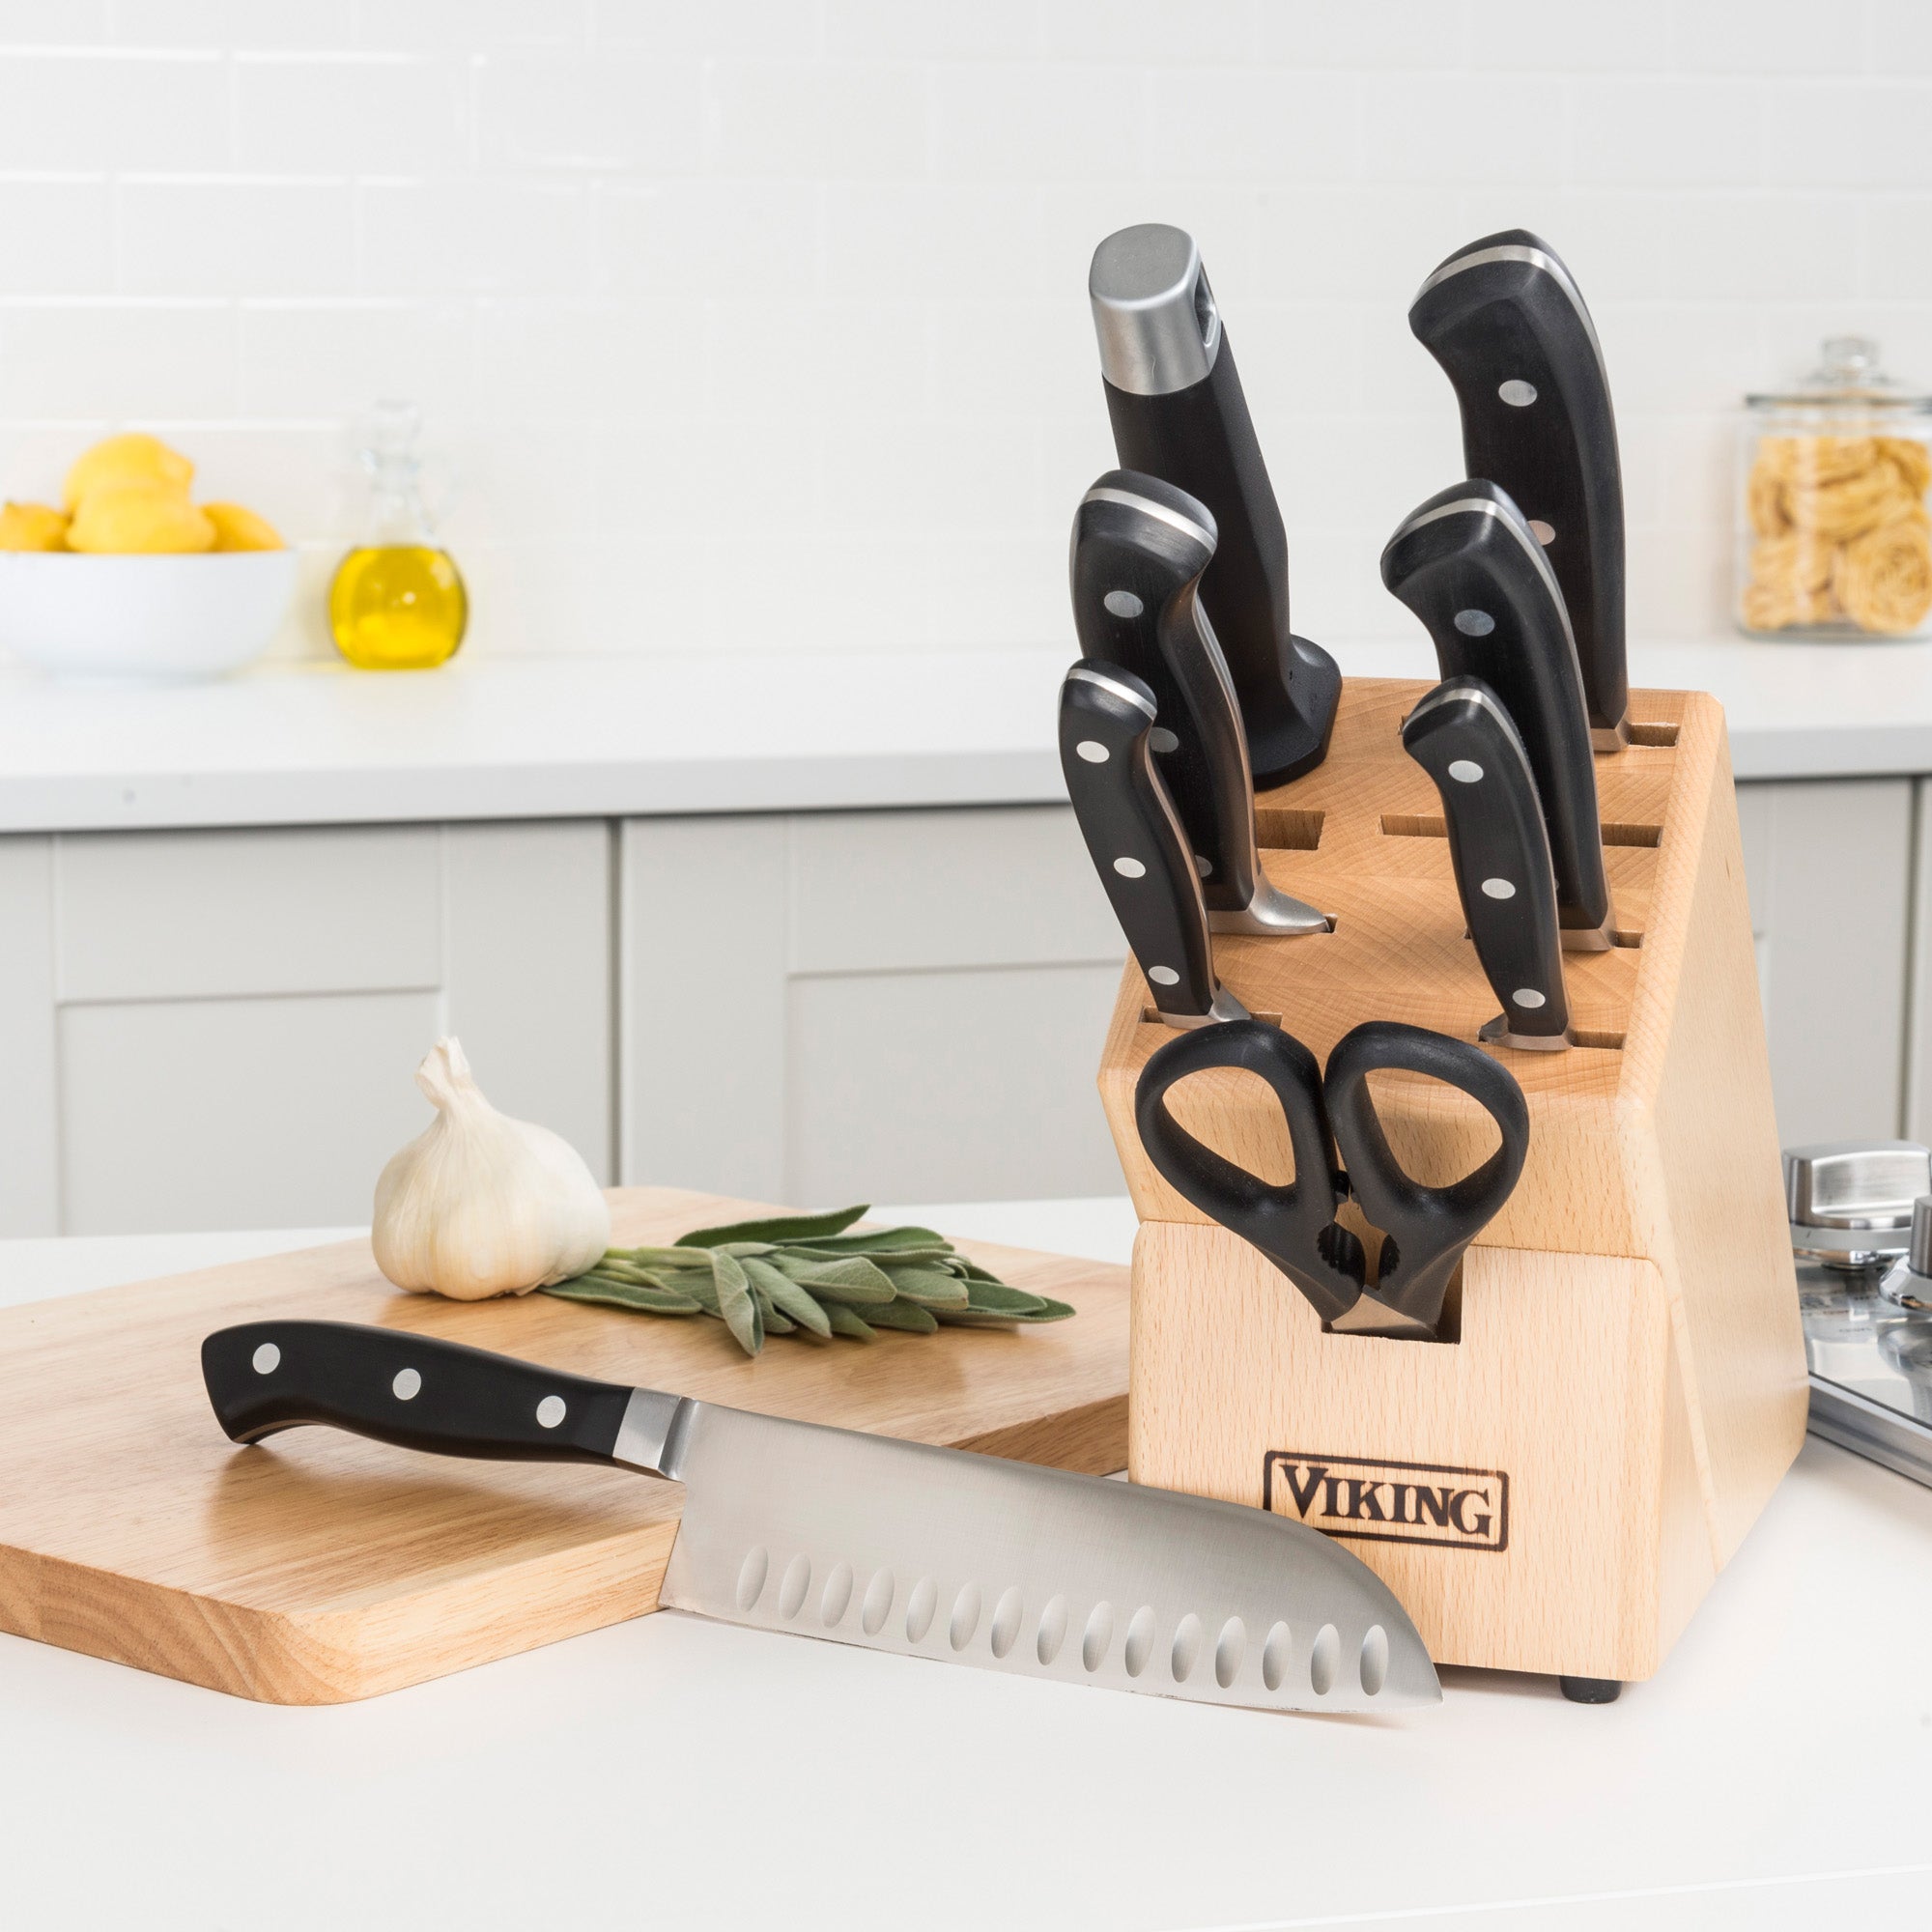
(160,618)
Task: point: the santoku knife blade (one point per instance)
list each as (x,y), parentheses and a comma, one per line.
(1507,323)
(1463,737)
(1106,715)
(869,1541)
(1139,550)
(1467,563)
(1174,400)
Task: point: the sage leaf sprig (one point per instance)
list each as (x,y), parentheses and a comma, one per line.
(805,1274)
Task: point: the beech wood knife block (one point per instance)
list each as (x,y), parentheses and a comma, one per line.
(1554,1484)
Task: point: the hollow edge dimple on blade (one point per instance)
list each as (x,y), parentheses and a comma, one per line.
(968,1559)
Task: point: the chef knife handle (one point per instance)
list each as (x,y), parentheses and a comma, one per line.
(397,1387)
(1505,318)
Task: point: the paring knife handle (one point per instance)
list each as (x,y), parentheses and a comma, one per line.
(1467,563)
(407,1389)
(1178,413)
(1507,323)
(1462,736)
(1106,717)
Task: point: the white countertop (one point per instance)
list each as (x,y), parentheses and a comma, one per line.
(594,737)
(672,1771)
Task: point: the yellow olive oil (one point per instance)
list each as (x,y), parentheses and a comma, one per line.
(398,607)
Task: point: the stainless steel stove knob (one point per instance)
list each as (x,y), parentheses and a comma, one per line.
(1850,1202)
(1909,1280)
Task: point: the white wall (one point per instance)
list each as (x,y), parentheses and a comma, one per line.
(751,323)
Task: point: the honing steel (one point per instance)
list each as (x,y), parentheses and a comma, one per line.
(893,1545)
(1425,1230)
(1139,551)
(1174,400)
(1463,737)
(1125,814)
(1467,565)
(1507,323)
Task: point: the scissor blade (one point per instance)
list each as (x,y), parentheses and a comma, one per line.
(1006,1566)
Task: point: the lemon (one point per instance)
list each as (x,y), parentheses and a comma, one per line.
(134,458)
(239,529)
(32,527)
(144,517)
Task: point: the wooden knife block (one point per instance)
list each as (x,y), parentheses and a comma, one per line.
(1554,1485)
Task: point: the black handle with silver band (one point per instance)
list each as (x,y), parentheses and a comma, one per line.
(1106,714)
(1139,551)
(1178,413)
(1463,737)
(1467,563)
(1507,323)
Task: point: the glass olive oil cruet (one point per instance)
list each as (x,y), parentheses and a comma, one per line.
(397,602)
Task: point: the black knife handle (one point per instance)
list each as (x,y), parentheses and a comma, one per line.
(1507,323)
(1292,1225)
(1425,1229)
(1467,565)
(1139,549)
(407,1389)
(1178,413)
(1462,736)
(1106,718)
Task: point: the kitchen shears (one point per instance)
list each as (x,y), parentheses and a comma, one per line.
(1341,1152)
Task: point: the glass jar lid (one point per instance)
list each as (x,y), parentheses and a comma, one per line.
(1847,372)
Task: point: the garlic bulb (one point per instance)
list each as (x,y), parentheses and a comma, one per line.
(480,1205)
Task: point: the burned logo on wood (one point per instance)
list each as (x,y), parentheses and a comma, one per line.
(1389,1502)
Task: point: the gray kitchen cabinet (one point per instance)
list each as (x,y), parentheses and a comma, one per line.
(218,1028)
(1830,868)
(834,1007)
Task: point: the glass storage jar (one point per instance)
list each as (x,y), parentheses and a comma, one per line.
(1834,537)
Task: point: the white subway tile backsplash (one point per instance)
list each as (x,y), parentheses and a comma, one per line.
(80,111)
(776,307)
(109,360)
(1667,133)
(818,120)
(227,237)
(372,115)
(59,238)
(1444,128)
(1851,134)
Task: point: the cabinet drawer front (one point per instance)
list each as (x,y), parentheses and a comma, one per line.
(948,1086)
(236,1113)
(201,914)
(887,890)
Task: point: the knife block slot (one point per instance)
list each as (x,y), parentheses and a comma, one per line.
(1151,1016)
(1282,828)
(1627,1382)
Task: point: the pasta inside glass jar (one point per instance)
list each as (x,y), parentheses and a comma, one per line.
(1836,540)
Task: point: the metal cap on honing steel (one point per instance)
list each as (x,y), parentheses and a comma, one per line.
(1154,311)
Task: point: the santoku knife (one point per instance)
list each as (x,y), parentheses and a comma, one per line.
(893,1545)
(1463,737)
(1139,548)
(1106,715)
(1178,413)
(1467,565)
(1507,323)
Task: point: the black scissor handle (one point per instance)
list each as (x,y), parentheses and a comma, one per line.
(1425,1229)
(1292,1225)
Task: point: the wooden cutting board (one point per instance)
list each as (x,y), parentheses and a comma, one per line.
(317,1567)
